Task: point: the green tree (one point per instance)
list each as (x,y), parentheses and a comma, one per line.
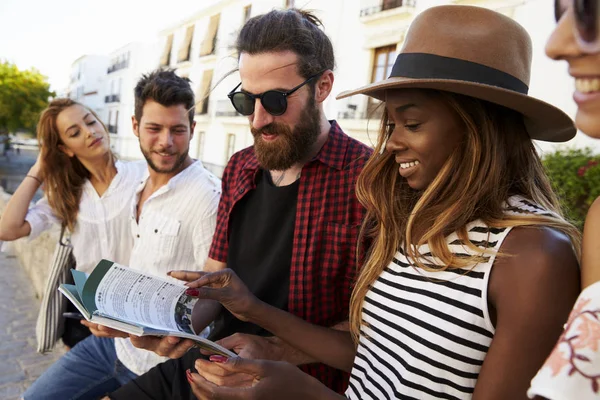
(575,176)
(23,95)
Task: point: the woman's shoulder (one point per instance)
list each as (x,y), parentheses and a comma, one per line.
(519,205)
(593,214)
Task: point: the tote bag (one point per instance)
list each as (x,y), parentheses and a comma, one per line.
(50,322)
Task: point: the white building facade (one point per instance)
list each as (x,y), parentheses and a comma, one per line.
(126,66)
(366,35)
(86,83)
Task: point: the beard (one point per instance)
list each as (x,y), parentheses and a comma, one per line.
(291,146)
(179,160)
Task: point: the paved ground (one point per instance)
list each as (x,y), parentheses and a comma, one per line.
(20,365)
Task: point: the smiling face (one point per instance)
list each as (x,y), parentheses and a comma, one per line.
(165,134)
(424,133)
(584,67)
(283,140)
(82,134)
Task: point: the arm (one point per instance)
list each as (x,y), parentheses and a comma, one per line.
(12,224)
(326,345)
(590,262)
(306,342)
(271,380)
(531,292)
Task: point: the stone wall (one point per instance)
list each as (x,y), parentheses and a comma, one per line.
(34,255)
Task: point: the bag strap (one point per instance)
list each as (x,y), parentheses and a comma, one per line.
(65,236)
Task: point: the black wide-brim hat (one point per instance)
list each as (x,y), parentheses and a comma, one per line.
(475,52)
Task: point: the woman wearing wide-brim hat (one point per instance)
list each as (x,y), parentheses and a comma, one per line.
(472,269)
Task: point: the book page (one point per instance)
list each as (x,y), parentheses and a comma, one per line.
(130,295)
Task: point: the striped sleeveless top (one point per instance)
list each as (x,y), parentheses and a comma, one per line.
(425,334)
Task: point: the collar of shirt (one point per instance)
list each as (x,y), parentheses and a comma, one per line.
(113,185)
(170,184)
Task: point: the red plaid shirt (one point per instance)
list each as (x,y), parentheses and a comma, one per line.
(328,218)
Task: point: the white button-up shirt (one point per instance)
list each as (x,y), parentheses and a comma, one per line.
(103,228)
(174,231)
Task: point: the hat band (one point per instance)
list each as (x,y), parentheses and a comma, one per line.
(431,66)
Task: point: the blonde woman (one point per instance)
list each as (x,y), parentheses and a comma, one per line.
(86,189)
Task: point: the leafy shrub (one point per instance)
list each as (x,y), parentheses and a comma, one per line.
(575,176)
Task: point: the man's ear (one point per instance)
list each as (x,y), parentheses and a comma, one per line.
(66,150)
(324,86)
(192,128)
(135,125)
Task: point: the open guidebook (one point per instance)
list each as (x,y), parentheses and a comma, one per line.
(121,298)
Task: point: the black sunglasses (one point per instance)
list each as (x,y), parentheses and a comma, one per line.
(274,101)
(587,20)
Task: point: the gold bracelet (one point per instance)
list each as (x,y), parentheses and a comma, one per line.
(34,177)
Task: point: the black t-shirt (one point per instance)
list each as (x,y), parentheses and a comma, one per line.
(260,248)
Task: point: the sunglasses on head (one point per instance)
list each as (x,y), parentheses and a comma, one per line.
(587,20)
(273,101)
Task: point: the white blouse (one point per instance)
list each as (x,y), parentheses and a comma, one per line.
(572,371)
(103,229)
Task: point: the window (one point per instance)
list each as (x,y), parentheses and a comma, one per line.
(230,146)
(389,4)
(186,45)
(247,12)
(116,121)
(210,40)
(112,127)
(165,59)
(383,61)
(200,148)
(204,92)
(290,3)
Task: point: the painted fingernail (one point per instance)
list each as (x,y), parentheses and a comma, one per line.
(192,292)
(188,374)
(218,359)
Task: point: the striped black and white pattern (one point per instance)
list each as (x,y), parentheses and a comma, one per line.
(50,322)
(425,334)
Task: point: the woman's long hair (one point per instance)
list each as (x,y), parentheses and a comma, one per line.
(495,160)
(63,176)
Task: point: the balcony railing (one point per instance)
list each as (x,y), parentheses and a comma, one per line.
(351,115)
(112,98)
(117,66)
(112,129)
(225,109)
(387,5)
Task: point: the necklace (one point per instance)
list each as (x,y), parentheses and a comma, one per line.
(279,179)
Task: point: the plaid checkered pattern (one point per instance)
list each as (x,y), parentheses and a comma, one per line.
(328,219)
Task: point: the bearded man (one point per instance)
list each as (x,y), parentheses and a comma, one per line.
(288,218)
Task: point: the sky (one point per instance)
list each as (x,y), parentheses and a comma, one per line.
(50,35)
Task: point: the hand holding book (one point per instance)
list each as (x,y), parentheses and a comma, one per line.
(139,304)
(223,286)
